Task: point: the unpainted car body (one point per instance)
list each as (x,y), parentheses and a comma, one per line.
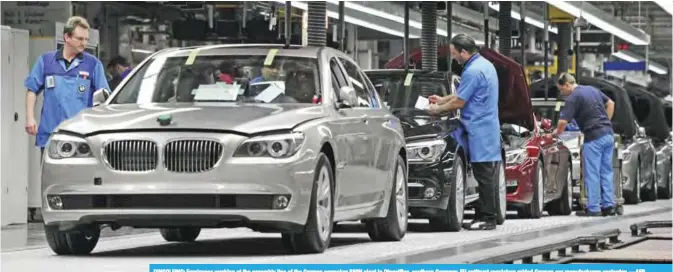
(635,148)
(441,184)
(650,113)
(174,149)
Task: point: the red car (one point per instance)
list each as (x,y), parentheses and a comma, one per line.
(538,168)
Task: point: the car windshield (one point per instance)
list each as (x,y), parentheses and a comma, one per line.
(228,78)
(398,97)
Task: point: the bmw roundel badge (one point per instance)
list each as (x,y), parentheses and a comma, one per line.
(82,88)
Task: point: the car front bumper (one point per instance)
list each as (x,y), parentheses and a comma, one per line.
(520,181)
(237,192)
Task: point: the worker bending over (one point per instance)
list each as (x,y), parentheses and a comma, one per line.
(477,96)
(67,77)
(592,110)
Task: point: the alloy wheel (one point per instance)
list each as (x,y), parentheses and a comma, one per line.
(401,199)
(502,191)
(460,194)
(324,203)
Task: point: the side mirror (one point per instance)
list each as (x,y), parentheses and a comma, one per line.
(546,125)
(347,96)
(100,96)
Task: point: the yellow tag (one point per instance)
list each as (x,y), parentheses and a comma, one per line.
(407,81)
(269,57)
(558,105)
(192,56)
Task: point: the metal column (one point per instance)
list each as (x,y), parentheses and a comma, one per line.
(288,23)
(429,35)
(545,32)
(406,36)
(564,38)
(522,33)
(342,26)
(487,43)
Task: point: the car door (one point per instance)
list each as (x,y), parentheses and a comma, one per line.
(368,189)
(352,143)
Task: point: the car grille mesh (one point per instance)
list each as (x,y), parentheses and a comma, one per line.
(192,156)
(131,155)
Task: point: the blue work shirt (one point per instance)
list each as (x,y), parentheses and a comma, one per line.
(126,73)
(479,89)
(572,126)
(586,105)
(67,89)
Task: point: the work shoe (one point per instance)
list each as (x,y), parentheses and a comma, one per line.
(610,211)
(479,225)
(588,214)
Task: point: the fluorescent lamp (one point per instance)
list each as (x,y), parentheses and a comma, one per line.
(652,67)
(529,20)
(665,5)
(355,21)
(598,22)
(391,17)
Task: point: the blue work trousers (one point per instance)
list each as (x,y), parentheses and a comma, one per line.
(598,184)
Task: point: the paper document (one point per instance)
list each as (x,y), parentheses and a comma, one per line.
(422,103)
(216,92)
(270,93)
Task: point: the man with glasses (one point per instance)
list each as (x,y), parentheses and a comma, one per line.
(68,78)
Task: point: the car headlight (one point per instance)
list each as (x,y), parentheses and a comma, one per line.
(425,151)
(62,146)
(516,156)
(276,146)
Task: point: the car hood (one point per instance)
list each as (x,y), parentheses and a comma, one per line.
(514,105)
(240,118)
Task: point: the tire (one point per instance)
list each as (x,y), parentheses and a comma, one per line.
(564,205)
(451,219)
(633,197)
(317,234)
(667,191)
(536,206)
(394,226)
(188,234)
(501,204)
(76,242)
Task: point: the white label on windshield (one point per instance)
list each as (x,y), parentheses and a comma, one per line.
(270,93)
(422,103)
(216,92)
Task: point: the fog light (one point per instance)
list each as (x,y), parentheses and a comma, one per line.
(429,192)
(55,202)
(280,202)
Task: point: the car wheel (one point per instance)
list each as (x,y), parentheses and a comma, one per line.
(535,208)
(180,234)
(564,205)
(667,191)
(501,205)
(451,219)
(633,197)
(76,242)
(394,226)
(317,233)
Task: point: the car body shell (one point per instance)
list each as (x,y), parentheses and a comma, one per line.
(361,142)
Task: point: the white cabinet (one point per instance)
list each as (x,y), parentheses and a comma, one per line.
(13,140)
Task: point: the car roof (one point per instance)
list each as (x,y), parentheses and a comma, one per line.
(243,49)
(416,72)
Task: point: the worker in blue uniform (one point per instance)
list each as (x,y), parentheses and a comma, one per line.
(477,96)
(68,78)
(592,110)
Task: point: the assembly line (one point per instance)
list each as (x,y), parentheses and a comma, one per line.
(276,152)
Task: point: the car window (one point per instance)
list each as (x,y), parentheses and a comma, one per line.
(357,81)
(228,78)
(395,95)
